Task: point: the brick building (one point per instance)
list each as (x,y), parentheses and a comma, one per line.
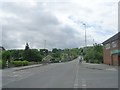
(111,50)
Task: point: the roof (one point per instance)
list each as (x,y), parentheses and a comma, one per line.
(113,38)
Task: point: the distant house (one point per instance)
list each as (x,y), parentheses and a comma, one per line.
(2,48)
(111,50)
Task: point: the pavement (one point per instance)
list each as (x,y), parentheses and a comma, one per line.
(62,75)
(100,66)
(22,68)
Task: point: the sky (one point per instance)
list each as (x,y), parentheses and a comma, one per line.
(58,22)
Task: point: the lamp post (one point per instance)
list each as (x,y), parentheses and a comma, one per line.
(44,44)
(85,37)
(93,42)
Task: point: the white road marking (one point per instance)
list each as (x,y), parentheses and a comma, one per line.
(84,84)
(14,72)
(22,70)
(76,78)
(90,64)
(111,69)
(16,75)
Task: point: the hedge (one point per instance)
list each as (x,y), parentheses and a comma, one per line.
(25,63)
(20,63)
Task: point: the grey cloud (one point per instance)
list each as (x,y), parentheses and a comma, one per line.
(34,25)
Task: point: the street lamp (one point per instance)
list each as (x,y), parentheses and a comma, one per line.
(85,37)
(93,41)
(44,44)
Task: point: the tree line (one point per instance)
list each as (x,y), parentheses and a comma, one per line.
(92,54)
(38,55)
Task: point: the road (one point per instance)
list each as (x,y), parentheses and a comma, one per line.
(62,75)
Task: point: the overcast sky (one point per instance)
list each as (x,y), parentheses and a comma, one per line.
(58,22)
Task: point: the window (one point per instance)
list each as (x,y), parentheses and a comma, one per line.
(107,46)
(114,44)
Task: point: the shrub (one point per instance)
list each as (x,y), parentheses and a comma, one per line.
(20,63)
(17,63)
(47,59)
(97,61)
(25,63)
(56,60)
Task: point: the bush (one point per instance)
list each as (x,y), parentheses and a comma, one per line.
(56,60)
(97,61)
(20,63)
(17,63)
(47,59)
(25,63)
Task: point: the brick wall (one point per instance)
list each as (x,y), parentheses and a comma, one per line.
(119,60)
(108,57)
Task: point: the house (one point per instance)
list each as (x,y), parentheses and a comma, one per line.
(111,50)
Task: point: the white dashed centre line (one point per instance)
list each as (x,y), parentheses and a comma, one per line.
(76,78)
(84,84)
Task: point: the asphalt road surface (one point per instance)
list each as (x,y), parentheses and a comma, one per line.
(62,75)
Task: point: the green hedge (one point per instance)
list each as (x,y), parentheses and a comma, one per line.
(25,63)
(20,63)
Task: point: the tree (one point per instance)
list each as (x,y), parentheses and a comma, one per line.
(54,50)
(44,52)
(5,55)
(32,55)
(56,53)
(16,54)
(74,53)
(94,54)
(27,47)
